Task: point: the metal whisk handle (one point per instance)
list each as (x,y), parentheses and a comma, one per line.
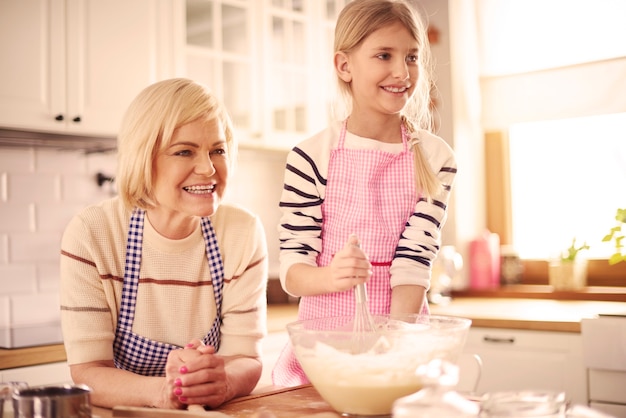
(360,292)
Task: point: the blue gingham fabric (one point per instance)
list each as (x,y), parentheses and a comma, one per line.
(141,355)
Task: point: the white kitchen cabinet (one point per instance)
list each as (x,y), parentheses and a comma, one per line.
(606,391)
(604,351)
(73,66)
(522,360)
(270,61)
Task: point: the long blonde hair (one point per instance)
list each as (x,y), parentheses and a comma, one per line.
(358,20)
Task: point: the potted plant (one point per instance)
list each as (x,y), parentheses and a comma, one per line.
(617,235)
(569,270)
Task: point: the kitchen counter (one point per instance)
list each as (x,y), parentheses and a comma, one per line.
(277,317)
(31,356)
(488,312)
(527,314)
(538,291)
(511,313)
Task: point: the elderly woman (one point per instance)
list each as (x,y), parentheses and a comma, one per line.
(163,287)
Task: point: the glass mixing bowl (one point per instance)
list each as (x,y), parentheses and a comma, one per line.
(366,383)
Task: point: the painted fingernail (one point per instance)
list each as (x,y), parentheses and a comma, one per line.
(189,345)
(183,369)
(182,398)
(178,382)
(178,391)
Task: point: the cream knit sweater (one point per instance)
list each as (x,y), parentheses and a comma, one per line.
(175,301)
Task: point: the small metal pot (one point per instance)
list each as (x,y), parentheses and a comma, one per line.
(6,392)
(66,401)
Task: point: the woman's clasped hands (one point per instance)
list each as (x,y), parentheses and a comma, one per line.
(195,375)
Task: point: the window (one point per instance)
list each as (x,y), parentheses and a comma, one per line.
(555,131)
(567,181)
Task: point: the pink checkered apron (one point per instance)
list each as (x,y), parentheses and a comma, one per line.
(370,193)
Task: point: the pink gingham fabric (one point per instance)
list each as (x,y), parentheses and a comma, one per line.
(370,193)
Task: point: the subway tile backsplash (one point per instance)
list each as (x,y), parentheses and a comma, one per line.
(41,189)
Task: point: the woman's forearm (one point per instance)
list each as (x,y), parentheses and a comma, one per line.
(112,386)
(242,375)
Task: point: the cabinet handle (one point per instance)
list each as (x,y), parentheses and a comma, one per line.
(76,119)
(498,340)
(59,117)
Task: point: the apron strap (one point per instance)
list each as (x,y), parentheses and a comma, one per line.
(344,129)
(216,267)
(134,245)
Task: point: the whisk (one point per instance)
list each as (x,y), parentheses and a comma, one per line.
(363,326)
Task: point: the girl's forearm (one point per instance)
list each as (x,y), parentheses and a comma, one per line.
(305,280)
(407,299)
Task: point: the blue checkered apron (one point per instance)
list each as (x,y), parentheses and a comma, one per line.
(141,355)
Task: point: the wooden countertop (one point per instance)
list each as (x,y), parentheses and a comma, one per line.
(277,317)
(296,402)
(31,356)
(538,291)
(527,314)
(487,312)
(512,313)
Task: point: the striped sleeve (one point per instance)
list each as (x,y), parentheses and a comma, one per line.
(421,239)
(301,201)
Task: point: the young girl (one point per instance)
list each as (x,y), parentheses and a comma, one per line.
(378,179)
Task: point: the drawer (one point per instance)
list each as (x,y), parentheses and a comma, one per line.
(617,411)
(607,386)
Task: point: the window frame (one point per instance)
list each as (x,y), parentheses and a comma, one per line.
(498,211)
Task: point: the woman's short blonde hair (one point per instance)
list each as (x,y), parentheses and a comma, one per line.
(148,126)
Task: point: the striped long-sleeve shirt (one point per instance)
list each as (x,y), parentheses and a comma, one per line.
(303,193)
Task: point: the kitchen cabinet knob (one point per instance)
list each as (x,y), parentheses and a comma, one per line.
(59,117)
(76,119)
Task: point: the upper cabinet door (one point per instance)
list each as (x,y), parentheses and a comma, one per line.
(270,61)
(222,40)
(77,64)
(32,82)
(113,52)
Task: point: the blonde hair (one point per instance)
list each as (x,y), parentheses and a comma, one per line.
(358,20)
(148,126)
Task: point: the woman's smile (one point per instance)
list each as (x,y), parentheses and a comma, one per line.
(202,189)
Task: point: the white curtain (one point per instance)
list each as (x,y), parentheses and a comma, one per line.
(581,90)
(550,59)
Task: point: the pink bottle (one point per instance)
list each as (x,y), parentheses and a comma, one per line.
(484,261)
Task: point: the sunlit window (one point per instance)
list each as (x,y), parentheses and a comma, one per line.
(568,177)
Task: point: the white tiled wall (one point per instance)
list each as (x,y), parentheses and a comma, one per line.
(40,190)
